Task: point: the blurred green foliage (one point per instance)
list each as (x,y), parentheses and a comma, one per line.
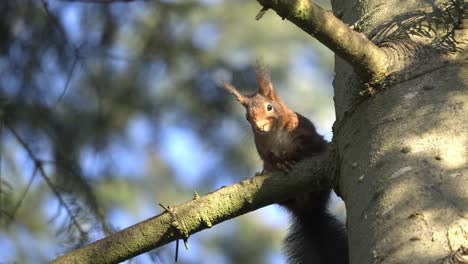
(108,109)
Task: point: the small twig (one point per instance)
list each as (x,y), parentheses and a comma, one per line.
(175,223)
(76,49)
(55,21)
(176,250)
(48,181)
(5,213)
(261,13)
(23,195)
(69,76)
(165,208)
(56,215)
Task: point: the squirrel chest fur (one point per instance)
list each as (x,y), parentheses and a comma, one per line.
(294,139)
(277,143)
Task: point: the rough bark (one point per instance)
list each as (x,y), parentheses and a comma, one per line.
(202,212)
(405,150)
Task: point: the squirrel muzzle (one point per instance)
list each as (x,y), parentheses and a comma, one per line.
(262,126)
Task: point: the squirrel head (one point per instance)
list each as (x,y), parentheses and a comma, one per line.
(265,110)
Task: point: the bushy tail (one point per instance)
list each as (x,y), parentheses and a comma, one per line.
(315,237)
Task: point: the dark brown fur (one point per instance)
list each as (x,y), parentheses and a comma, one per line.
(282,138)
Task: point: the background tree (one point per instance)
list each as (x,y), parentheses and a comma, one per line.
(401,143)
(109,109)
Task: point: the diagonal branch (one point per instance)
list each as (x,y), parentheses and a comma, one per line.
(202,212)
(76,50)
(23,196)
(69,77)
(368,60)
(40,168)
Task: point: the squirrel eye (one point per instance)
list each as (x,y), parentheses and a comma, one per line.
(269,107)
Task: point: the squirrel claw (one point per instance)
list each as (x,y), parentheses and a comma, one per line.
(290,164)
(282,166)
(285,166)
(260,173)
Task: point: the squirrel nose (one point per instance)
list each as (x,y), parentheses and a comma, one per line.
(263,126)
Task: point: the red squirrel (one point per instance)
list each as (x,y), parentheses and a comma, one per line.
(283,138)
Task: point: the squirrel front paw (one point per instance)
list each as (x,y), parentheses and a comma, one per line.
(260,173)
(285,165)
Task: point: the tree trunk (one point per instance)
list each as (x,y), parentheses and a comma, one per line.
(403,153)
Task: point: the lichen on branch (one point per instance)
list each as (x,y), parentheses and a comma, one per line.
(202,212)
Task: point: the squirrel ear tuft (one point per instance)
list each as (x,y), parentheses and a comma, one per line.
(228,87)
(265,86)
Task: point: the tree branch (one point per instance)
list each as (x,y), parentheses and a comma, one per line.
(368,60)
(202,212)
